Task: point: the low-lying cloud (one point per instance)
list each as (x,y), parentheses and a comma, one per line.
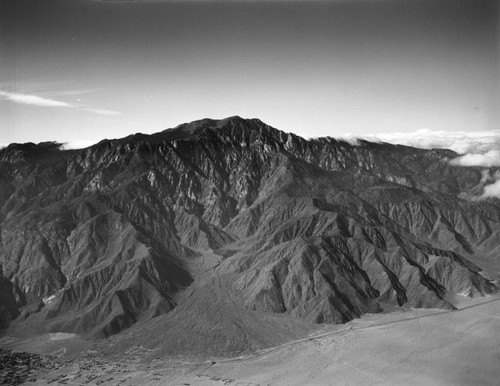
(462,142)
(488,159)
(491,190)
(78,144)
(474,148)
(67,145)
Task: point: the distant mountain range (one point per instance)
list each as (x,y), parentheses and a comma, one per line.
(232,235)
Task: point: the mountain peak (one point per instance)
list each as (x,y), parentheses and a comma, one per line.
(250,218)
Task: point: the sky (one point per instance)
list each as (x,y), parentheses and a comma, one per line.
(78,71)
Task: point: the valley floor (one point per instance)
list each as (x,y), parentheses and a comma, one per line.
(431,347)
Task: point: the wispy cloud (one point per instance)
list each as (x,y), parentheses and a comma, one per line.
(74,92)
(102,111)
(35,100)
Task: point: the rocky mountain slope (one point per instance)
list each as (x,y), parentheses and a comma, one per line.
(232,228)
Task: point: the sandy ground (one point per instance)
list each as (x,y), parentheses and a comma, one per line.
(415,347)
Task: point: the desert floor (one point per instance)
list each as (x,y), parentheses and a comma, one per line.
(431,347)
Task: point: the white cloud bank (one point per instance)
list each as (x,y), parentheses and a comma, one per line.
(462,142)
(35,100)
(476,148)
(488,159)
(492,190)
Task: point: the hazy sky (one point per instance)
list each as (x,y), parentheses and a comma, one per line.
(82,70)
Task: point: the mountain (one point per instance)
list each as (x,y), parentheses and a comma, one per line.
(232,235)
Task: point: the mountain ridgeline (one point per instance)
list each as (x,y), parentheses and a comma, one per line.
(231,228)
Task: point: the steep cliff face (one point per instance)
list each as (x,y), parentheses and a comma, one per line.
(322,230)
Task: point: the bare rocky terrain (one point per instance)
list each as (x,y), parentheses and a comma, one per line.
(223,238)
